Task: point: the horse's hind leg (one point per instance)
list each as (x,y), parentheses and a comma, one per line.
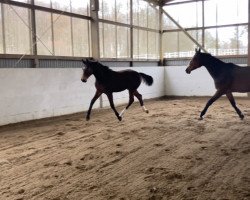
(139,97)
(110,97)
(131,100)
(233,103)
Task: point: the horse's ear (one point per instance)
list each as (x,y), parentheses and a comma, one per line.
(84,62)
(199,50)
(92,60)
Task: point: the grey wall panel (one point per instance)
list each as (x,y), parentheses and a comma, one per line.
(185,62)
(15,63)
(60,64)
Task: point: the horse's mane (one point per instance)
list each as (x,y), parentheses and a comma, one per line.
(213,60)
(210,58)
(104,67)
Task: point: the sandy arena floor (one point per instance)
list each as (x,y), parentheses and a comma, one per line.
(166,154)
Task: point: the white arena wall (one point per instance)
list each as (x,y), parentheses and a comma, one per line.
(27,94)
(179,83)
(198,83)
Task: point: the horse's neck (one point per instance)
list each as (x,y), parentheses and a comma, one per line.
(102,75)
(213,66)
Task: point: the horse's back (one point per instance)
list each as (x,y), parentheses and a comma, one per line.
(124,79)
(127,75)
(127,72)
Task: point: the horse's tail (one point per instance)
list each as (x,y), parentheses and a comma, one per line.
(147,79)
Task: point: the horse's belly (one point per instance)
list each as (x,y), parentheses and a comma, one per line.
(116,87)
(241,80)
(119,89)
(241,84)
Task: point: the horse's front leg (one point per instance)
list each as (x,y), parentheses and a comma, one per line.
(216,96)
(232,101)
(97,95)
(110,97)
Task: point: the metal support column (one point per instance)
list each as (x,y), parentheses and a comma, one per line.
(131,34)
(248,56)
(34,39)
(94,8)
(3,29)
(160,36)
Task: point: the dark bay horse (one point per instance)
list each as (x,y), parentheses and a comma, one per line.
(109,81)
(228,78)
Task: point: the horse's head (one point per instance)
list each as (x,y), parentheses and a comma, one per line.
(87,69)
(195,62)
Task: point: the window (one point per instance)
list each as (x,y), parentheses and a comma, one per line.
(230,40)
(243,40)
(81,40)
(123,42)
(143,14)
(135,6)
(17,33)
(115,10)
(227,12)
(211,41)
(153,45)
(167,24)
(61,5)
(44,32)
(75,6)
(187,15)
(153,17)
(135,43)
(143,44)
(62,35)
(24,1)
(140,44)
(114,41)
(227,41)
(1,30)
(80,7)
(123,11)
(170,44)
(186,45)
(107,9)
(108,40)
(44,3)
(177,44)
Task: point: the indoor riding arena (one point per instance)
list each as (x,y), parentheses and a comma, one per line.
(124,100)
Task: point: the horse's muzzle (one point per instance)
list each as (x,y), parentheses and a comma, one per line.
(83,80)
(188,71)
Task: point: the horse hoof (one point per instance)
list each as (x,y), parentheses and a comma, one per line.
(87,118)
(201,118)
(147,111)
(120,118)
(242,117)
